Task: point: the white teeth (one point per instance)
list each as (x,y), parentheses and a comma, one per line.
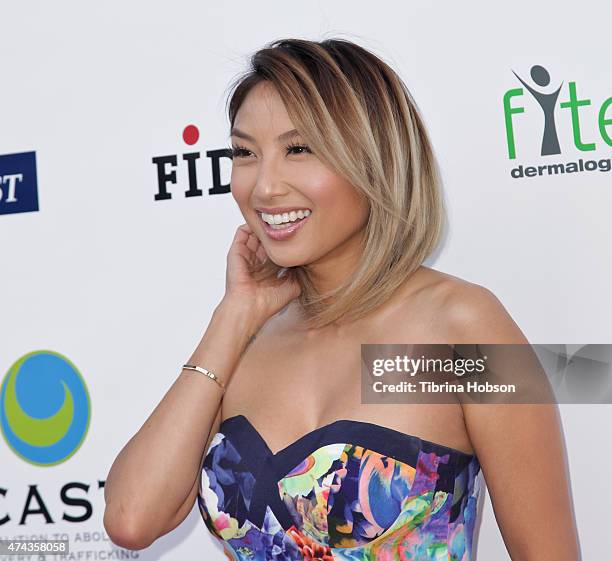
(275,219)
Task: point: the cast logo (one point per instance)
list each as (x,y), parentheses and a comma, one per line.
(44,408)
(571,108)
(166,168)
(18,185)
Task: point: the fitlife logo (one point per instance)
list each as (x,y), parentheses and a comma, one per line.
(18,184)
(570,107)
(167,167)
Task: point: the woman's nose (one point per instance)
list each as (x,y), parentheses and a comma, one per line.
(269,182)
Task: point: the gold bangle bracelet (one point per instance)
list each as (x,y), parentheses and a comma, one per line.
(206,373)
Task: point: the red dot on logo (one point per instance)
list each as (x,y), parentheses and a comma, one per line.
(191,134)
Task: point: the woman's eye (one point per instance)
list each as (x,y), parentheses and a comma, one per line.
(299,147)
(238,151)
(242,152)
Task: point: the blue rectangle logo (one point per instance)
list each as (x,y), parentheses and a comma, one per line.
(18,184)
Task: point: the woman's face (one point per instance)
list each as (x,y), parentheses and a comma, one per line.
(274,172)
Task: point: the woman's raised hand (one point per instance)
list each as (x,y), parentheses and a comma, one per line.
(264,298)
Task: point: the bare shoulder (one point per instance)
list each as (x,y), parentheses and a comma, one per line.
(512,441)
(464,312)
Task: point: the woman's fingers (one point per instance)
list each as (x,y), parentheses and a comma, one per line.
(255,250)
(242,234)
(261,253)
(252,243)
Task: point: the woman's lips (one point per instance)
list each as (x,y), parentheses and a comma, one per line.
(284,233)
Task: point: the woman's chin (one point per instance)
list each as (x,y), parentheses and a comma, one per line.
(288,261)
(288,264)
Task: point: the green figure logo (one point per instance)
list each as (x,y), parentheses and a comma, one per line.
(547,101)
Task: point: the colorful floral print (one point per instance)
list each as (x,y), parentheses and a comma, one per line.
(350,491)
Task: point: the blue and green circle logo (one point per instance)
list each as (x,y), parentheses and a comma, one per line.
(44,408)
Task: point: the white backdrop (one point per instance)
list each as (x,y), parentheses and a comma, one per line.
(123,285)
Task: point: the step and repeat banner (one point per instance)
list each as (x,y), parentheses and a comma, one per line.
(116,216)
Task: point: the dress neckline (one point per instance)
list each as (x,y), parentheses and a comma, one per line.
(338,425)
(386,445)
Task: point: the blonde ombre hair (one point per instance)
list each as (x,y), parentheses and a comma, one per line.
(359,119)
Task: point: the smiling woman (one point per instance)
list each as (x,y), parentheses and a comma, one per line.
(338,126)
(270,179)
(336,179)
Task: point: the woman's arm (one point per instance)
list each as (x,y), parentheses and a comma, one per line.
(153,482)
(520,446)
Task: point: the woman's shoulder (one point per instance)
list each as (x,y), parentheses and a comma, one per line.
(439,291)
(462,311)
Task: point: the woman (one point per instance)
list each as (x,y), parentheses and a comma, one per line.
(335,176)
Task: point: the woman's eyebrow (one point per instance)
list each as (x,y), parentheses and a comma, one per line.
(241,134)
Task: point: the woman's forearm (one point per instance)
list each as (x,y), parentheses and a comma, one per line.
(157,469)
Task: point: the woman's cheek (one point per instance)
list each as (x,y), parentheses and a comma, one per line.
(239,189)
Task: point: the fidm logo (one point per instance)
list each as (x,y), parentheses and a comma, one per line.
(550,145)
(18,186)
(166,167)
(44,408)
